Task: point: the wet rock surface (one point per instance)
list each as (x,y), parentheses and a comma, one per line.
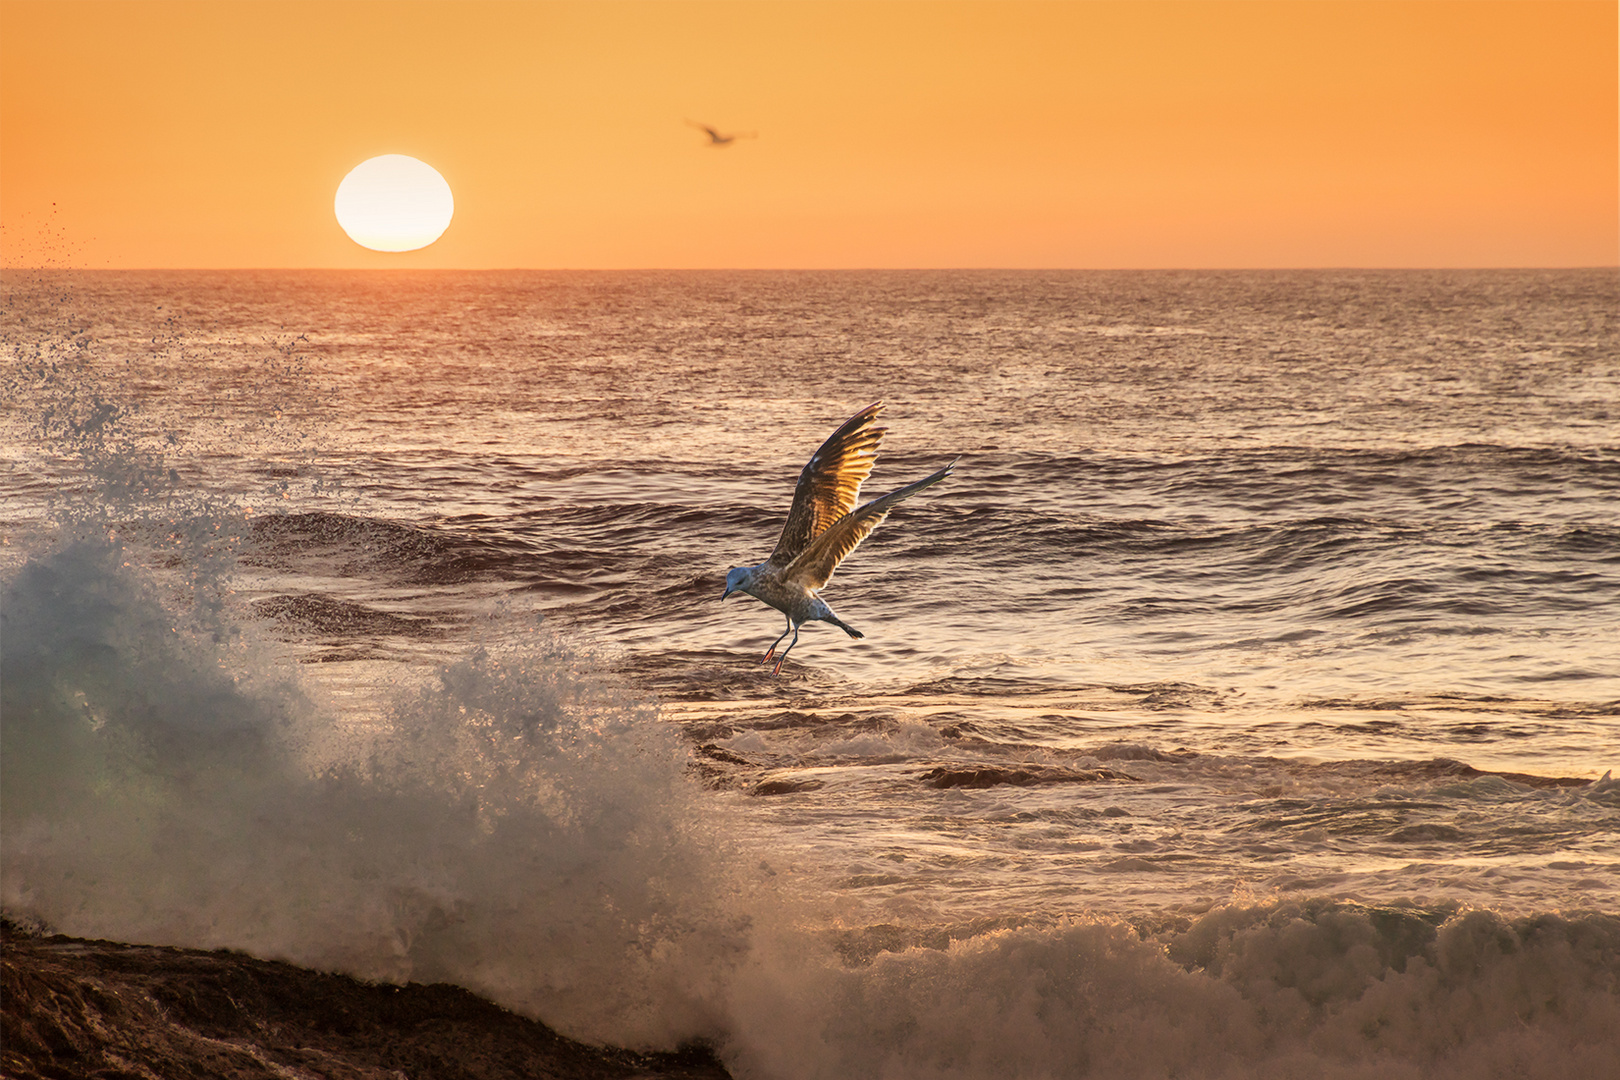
(71,1008)
(945,776)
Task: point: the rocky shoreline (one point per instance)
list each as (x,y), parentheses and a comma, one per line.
(73,1008)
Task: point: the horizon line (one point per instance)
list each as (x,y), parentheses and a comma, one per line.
(792,269)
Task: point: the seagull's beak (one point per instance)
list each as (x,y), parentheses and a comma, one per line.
(726,593)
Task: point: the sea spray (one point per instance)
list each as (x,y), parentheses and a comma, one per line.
(520,827)
(497,812)
(1278,990)
(521,824)
(145,425)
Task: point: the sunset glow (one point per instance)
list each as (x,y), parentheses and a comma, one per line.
(1105,134)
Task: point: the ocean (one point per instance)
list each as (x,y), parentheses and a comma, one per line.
(1243,706)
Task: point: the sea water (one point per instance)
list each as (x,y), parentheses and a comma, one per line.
(1243,706)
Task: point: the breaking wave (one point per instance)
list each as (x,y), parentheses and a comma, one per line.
(523,828)
(517,827)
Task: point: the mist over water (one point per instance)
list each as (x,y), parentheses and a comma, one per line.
(1242,708)
(514,828)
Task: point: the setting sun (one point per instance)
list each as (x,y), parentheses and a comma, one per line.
(987,133)
(394,203)
(1230,689)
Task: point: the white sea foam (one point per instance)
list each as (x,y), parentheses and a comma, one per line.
(524,830)
(1273,991)
(519,829)
(522,827)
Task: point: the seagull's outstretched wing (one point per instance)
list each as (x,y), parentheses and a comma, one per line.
(815,565)
(830,484)
(714,136)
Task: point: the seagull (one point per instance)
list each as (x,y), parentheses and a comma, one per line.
(823,527)
(717,139)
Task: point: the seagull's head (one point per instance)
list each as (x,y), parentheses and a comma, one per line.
(738,578)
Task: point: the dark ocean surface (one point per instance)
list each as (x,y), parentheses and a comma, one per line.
(1243,706)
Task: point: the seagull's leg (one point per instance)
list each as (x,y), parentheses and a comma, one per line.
(772,650)
(785,651)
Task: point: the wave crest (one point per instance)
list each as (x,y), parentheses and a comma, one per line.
(519,827)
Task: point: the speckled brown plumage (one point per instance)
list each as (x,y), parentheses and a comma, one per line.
(823,527)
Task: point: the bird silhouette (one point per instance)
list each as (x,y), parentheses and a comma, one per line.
(718,139)
(822,528)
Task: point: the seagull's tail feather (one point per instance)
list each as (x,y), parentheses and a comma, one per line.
(844,626)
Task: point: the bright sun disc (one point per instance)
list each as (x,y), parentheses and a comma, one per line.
(394,203)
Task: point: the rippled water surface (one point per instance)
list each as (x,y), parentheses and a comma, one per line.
(1249,587)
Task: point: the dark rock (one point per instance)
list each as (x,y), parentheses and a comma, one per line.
(71,1008)
(946,777)
(785,787)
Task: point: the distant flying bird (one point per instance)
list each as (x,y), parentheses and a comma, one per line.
(717,139)
(823,527)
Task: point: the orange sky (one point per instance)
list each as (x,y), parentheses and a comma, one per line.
(891,134)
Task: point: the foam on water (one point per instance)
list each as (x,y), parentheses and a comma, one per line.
(522,829)
(518,828)
(520,823)
(1265,991)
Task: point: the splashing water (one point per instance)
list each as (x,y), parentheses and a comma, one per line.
(520,821)
(524,830)
(518,829)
